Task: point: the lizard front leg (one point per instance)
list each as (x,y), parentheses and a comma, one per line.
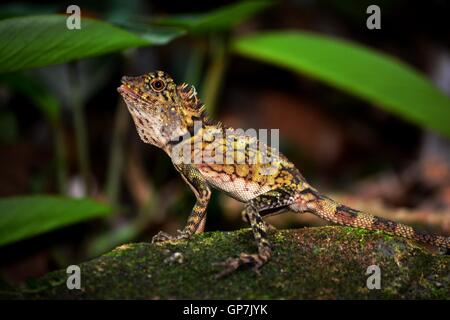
(271,202)
(197,218)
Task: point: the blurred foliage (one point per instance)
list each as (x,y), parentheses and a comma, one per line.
(10,10)
(217,20)
(37,41)
(41,97)
(23,217)
(156,35)
(371,75)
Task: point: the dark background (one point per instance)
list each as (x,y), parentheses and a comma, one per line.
(344,146)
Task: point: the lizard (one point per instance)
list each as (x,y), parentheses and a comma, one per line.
(171,117)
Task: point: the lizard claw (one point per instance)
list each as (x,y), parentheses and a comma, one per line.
(232,264)
(163,237)
(270,227)
(257,269)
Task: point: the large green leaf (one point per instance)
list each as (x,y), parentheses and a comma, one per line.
(157,35)
(27,216)
(220,19)
(371,75)
(34,41)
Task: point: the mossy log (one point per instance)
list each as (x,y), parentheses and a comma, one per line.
(313,263)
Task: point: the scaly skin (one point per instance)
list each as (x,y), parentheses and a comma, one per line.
(166,115)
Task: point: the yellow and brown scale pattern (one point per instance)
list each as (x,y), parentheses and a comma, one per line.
(238,167)
(310,200)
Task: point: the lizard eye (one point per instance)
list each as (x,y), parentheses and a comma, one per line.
(158,85)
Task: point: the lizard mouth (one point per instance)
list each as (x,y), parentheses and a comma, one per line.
(126,90)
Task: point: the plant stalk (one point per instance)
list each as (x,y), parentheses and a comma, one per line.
(215,73)
(81,138)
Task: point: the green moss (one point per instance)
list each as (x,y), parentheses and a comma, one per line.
(328,262)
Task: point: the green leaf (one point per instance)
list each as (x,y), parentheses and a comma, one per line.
(220,19)
(158,35)
(27,216)
(35,41)
(371,75)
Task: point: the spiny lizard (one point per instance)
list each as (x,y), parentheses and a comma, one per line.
(167,115)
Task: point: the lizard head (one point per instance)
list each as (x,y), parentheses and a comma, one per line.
(163,112)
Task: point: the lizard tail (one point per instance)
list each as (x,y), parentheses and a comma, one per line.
(335,212)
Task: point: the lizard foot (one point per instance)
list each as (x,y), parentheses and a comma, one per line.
(164,237)
(269,227)
(245,259)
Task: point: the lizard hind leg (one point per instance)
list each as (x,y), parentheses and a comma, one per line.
(274,201)
(257,260)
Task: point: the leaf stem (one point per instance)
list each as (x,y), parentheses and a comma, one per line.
(61,157)
(81,136)
(215,73)
(116,159)
(195,63)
